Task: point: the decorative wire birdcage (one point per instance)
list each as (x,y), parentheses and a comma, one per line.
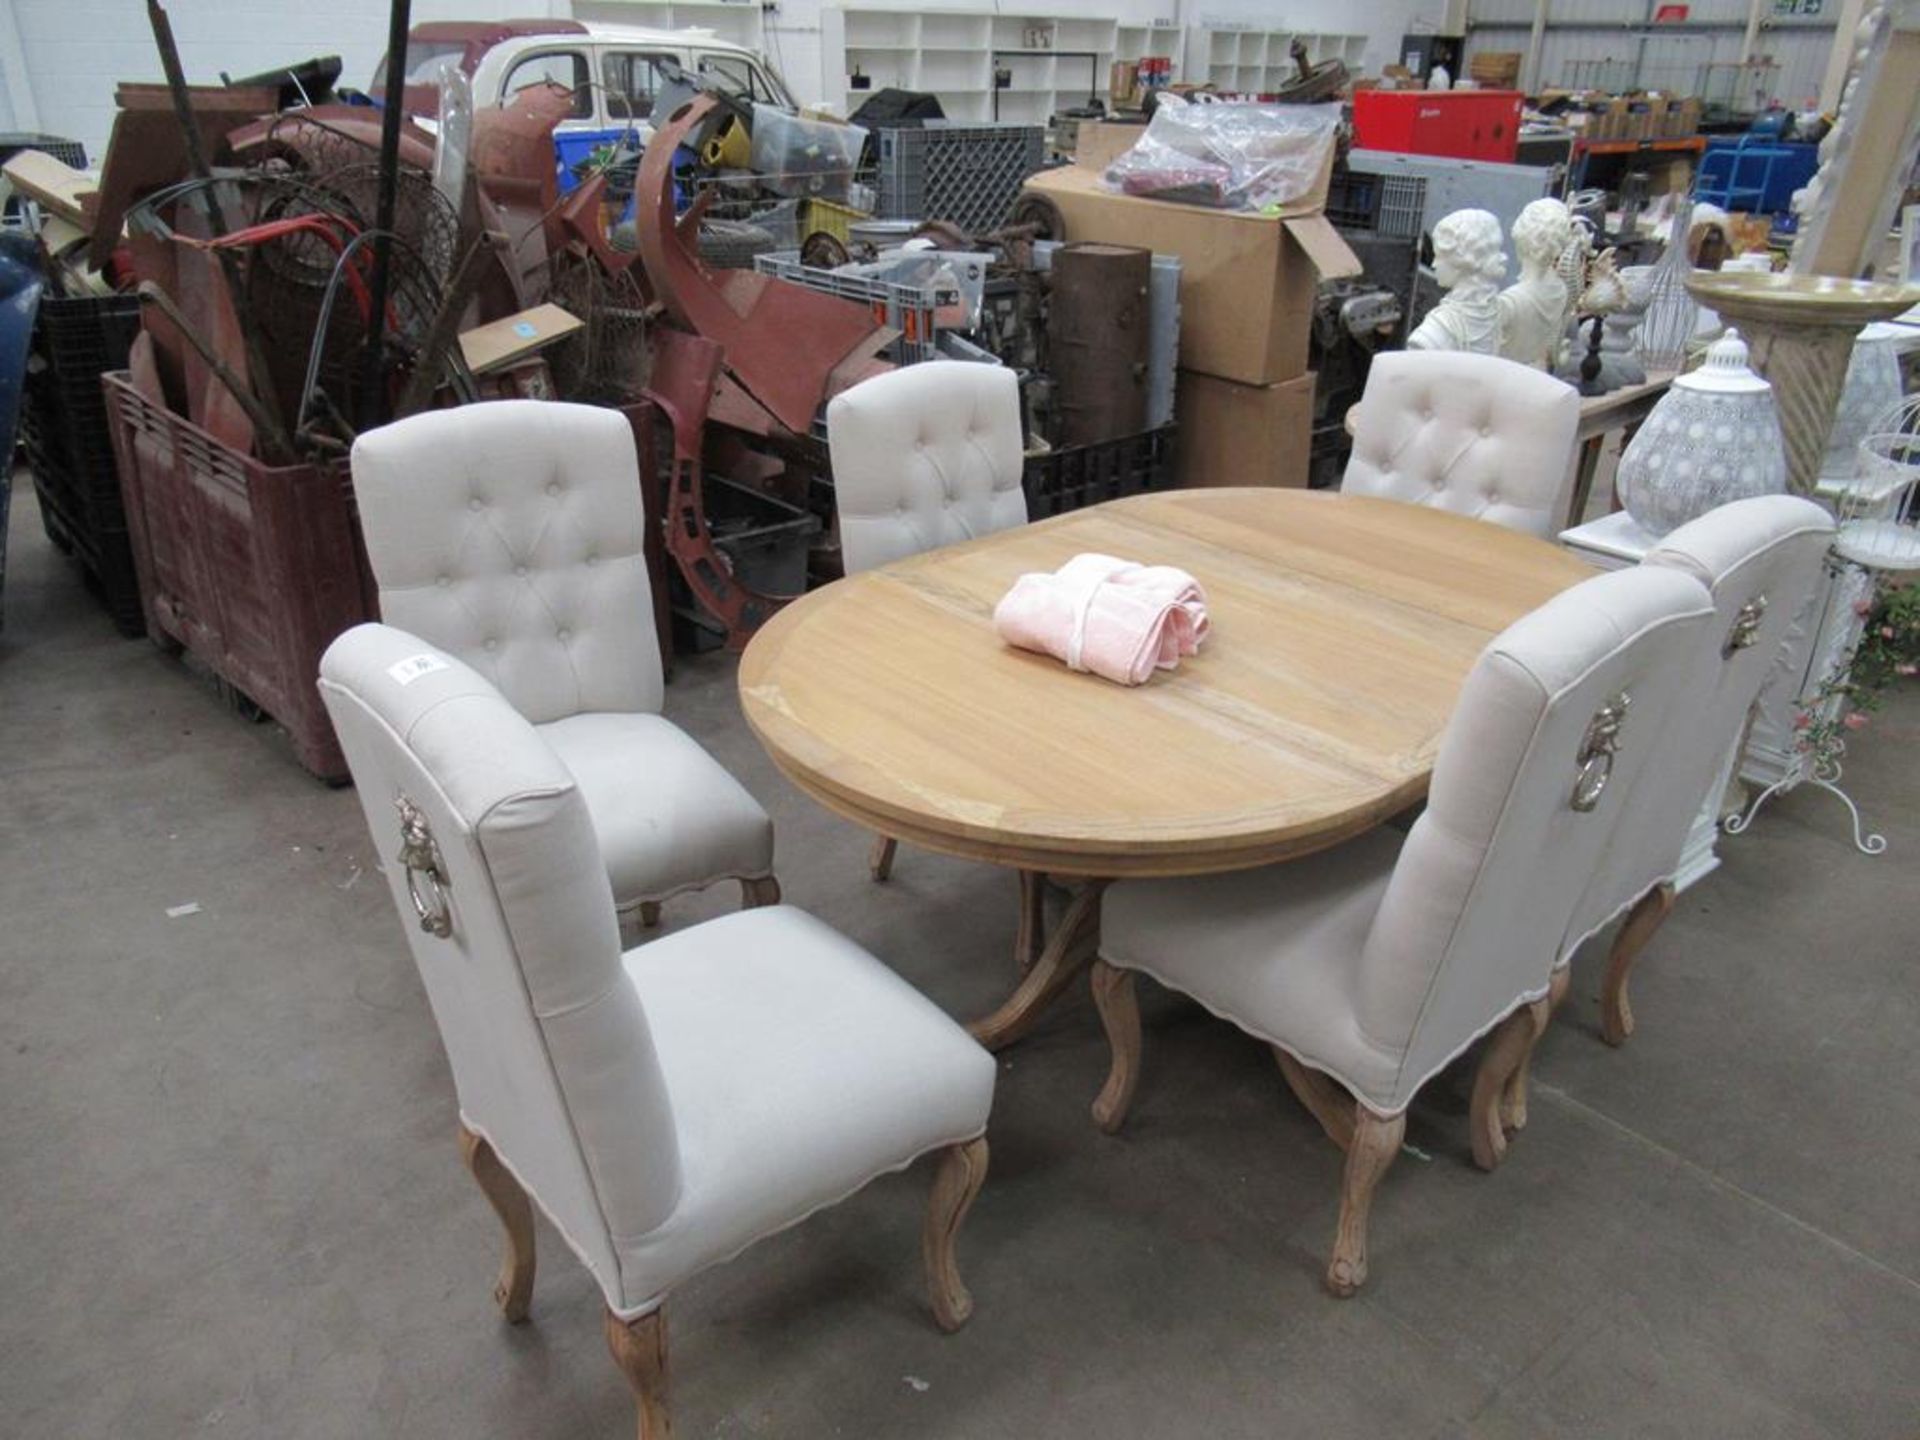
(1671,313)
(1878,527)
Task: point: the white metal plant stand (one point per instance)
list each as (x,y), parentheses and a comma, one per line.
(1877,533)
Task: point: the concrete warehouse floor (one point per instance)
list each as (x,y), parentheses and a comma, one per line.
(233,1204)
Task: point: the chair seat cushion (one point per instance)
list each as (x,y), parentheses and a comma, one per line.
(799,1068)
(668,816)
(1274,950)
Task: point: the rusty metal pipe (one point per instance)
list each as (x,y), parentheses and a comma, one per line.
(276,445)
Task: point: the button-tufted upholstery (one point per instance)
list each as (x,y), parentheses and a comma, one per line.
(509,534)
(1764,552)
(1378,962)
(925,456)
(1474,434)
(668,1107)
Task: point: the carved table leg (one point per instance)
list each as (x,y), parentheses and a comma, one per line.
(1030,937)
(880,859)
(1323,1097)
(1119,1006)
(640,1350)
(962,1170)
(513,1291)
(649,914)
(1647,916)
(1376,1143)
(755,893)
(1068,951)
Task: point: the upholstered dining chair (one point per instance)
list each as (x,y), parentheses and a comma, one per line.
(509,534)
(1371,966)
(925,456)
(1760,560)
(665,1108)
(1474,434)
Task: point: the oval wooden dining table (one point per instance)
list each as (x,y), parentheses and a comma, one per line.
(1343,628)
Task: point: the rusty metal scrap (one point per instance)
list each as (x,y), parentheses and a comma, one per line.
(783,343)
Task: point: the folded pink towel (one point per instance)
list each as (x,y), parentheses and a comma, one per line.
(1109,617)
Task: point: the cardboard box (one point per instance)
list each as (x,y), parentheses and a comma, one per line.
(1246,281)
(502,342)
(1682,120)
(1096,142)
(1234,434)
(1495,69)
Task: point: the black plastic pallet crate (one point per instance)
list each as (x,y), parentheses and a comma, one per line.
(68,442)
(1072,479)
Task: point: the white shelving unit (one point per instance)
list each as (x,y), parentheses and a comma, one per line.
(735,20)
(1051,62)
(1259,62)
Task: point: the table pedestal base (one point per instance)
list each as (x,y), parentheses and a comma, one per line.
(1047,969)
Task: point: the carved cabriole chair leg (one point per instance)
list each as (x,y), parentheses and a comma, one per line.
(1376,1143)
(1513,1098)
(755,893)
(962,1170)
(880,861)
(640,1350)
(513,1291)
(1322,1095)
(1500,1057)
(1647,916)
(1119,1006)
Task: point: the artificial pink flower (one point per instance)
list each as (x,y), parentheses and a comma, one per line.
(1856,721)
(1907,669)
(1886,632)
(1861,608)
(1802,720)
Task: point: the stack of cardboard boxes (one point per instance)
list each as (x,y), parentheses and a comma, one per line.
(1244,398)
(1642,117)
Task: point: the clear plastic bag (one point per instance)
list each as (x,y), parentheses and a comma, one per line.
(1229,154)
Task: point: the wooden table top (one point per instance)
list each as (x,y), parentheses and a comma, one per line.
(1343,628)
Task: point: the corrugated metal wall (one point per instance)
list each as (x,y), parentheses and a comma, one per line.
(1609,44)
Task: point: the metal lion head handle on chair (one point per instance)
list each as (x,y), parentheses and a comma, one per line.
(1372,966)
(665,1108)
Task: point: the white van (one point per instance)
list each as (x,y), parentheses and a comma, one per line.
(613,72)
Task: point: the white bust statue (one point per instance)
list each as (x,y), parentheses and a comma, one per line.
(1470,264)
(1533,310)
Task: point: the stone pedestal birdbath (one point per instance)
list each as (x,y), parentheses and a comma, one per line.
(1800,331)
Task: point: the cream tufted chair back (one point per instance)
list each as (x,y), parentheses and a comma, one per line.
(925,456)
(509,534)
(1760,560)
(1534,773)
(553,1059)
(1474,434)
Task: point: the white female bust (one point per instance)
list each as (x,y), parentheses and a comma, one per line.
(1469,263)
(1533,310)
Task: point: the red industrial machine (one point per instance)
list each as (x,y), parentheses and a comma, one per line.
(1465,124)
